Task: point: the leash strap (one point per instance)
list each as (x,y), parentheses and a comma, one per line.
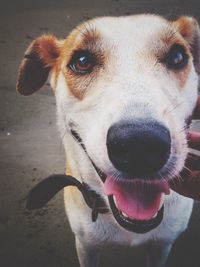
(50,186)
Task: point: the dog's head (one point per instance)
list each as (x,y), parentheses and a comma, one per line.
(128,86)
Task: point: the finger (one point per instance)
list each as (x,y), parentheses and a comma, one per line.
(188,186)
(193,162)
(194,140)
(196,113)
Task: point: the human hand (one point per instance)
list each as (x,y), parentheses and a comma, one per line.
(188,183)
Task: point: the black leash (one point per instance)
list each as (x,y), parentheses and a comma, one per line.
(50,186)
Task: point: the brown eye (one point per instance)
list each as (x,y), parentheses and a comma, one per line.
(176,58)
(82,62)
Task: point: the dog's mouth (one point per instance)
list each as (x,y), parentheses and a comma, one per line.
(138,206)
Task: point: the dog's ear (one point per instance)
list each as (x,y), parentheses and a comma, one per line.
(188,27)
(39,59)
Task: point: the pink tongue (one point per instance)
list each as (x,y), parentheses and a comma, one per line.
(138,200)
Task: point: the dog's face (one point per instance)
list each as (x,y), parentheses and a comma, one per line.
(128,86)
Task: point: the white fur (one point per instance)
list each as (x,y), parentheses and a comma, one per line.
(130,86)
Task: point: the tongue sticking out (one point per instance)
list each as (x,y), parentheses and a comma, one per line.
(137,199)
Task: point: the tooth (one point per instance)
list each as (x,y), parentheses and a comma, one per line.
(115,201)
(161,202)
(125,215)
(154,216)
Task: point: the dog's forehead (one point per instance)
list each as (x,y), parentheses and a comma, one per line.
(128,25)
(131,30)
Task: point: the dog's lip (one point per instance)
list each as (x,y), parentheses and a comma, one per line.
(136,226)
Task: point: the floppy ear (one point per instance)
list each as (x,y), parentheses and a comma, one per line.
(188,27)
(34,69)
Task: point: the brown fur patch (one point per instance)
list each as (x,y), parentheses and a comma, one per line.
(68,171)
(73,199)
(47,49)
(186,27)
(182,76)
(189,29)
(164,41)
(39,59)
(167,39)
(82,38)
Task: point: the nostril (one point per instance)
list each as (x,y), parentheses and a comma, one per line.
(138,148)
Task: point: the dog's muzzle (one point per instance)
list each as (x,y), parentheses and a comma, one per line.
(136,206)
(138,150)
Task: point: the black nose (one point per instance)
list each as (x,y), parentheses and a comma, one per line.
(138,148)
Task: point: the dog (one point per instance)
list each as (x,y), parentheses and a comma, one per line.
(125,90)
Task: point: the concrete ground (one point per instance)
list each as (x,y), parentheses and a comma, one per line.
(32,150)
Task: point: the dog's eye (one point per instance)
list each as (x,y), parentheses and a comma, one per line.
(176,58)
(82,62)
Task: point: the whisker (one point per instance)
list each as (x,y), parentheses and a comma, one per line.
(166,110)
(184,128)
(173,108)
(177,106)
(188,169)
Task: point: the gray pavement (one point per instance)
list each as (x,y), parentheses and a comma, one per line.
(30,147)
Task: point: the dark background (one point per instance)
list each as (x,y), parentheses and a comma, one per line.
(30,147)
